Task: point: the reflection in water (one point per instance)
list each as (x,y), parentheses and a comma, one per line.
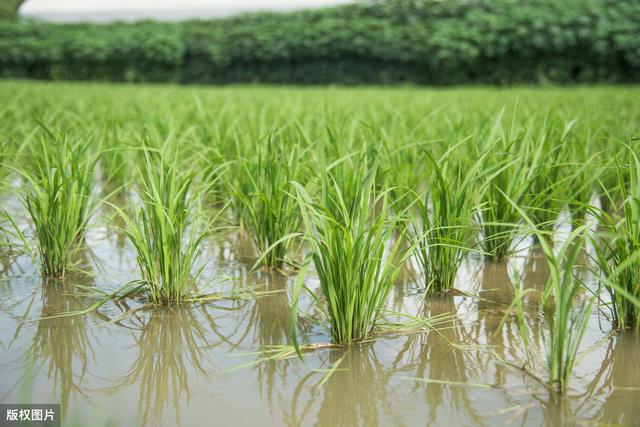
(431,356)
(440,361)
(616,385)
(172,348)
(62,344)
(7,259)
(499,282)
(496,286)
(537,269)
(237,247)
(497,293)
(271,318)
(356,394)
(557,411)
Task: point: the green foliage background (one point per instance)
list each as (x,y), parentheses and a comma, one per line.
(9,8)
(419,41)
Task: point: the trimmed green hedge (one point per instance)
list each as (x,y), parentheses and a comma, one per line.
(427,42)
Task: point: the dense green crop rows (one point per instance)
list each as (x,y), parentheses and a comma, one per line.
(427,42)
(361,181)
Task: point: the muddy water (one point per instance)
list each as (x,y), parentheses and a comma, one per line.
(198,365)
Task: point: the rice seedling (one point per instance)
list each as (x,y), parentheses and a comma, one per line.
(116,158)
(566,317)
(348,247)
(402,177)
(440,235)
(546,192)
(611,175)
(617,254)
(165,231)
(57,197)
(348,171)
(508,181)
(215,178)
(568,323)
(263,199)
(584,174)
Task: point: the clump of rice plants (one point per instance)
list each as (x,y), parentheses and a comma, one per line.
(116,158)
(165,231)
(618,253)
(402,176)
(214,176)
(59,178)
(583,175)
(547,178)
(508,170)
(566,317)
(349,249)
(445,222)
(264,202)
(611,175)
(348,169)
(568,320)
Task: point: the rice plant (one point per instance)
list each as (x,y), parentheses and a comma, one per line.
(508,181)
(165,231)
(349,249)
(348,170)
(547,180)
(57,196)
(116,158)
(264,201)
(402,176)
(618,253)
(583,173)
(215,179)
(611,175)
(445,223)
(566,317)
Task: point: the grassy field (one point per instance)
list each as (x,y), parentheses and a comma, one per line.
(366,179)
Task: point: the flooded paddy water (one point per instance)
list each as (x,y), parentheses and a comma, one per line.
(201,364)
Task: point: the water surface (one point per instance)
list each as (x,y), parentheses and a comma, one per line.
(197,365)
